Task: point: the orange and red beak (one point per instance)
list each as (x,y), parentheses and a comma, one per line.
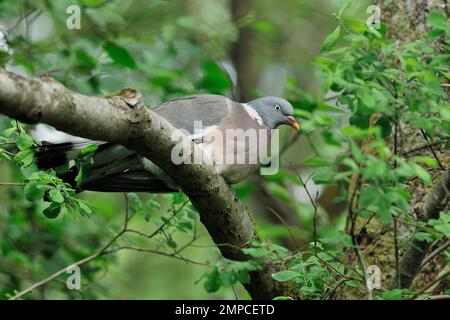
(293,123)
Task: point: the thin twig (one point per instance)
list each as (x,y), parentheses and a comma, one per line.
(286,225)
(315,224)
(428,145)
(102,252)
(357,250)
(332,291)
(171,255)
(304,186)
(437,280)
(396,250)
(12,184)
(53,276)
(431,149)
(161,227)
(435,253)
(395,229)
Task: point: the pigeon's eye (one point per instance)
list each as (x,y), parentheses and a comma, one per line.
(277,107)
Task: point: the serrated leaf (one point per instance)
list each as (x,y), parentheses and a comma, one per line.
(331,39)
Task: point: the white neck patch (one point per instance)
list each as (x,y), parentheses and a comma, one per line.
(253,113)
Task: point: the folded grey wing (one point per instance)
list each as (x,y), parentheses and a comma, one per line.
(211,110)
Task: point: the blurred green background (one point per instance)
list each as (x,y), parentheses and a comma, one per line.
(164,49)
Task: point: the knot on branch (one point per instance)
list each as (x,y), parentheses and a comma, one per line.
(128,98)
(132,97)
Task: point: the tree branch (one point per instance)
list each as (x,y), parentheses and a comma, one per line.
(434,203)
(115,120)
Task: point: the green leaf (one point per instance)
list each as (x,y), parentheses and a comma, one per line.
(33,191)
(325,177)
(4,155)
(79,176)
(385,125)
(24,157)
(152,204)
(442,224)
(215,79)
(119,55)
(315,162)
(396,294)
(437,20)
(56,196)
(87,150)
(213,282)
(357,25)
(52,211)
(423,236)
(24,141)
(428,161)
(366,97)
(283,298)
(331,39)
(171,243)
(8,132)
(133,197)
(285,275)
(256,252)
(84,208)
(187,22)
(92,2)
(353,283)
(422,174)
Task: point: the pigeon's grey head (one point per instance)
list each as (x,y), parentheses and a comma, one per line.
(275,111)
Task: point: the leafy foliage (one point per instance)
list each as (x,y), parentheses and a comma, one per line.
(375,86)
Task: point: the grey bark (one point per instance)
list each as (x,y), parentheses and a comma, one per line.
(434,203)
(47,101)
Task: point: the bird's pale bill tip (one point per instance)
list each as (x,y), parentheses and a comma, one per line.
(293,123)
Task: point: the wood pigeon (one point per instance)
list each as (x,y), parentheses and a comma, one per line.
(114,168)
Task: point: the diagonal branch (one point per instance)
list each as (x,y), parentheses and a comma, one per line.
(434,203)
(115,120)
